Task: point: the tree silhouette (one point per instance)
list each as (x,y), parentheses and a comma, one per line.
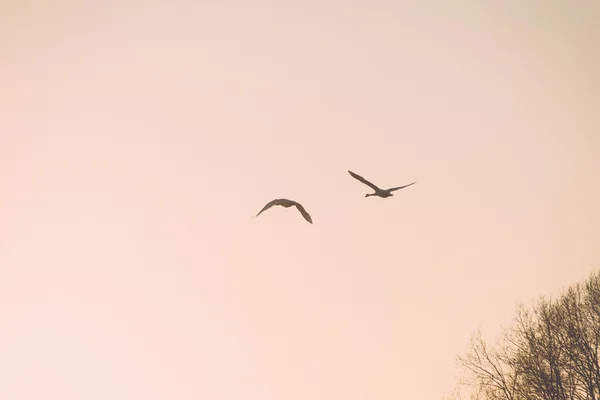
(551,352)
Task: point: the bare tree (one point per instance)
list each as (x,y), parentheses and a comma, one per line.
(489,369)
(550,353)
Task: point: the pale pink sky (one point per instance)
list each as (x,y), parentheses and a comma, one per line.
(138,139)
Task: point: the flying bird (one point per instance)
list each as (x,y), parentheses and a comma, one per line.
(378,192)
(287,203)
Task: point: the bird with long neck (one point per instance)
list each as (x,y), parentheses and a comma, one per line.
(383,193)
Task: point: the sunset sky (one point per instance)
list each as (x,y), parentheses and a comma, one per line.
(139,139)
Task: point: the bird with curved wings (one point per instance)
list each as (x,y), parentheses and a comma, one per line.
(378,192)
(287,203)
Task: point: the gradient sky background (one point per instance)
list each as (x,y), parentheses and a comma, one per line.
(138,139)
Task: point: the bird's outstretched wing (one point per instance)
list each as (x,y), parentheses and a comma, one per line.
(363,180)
(303,212)
(287,203)
(269,205)
(401,187)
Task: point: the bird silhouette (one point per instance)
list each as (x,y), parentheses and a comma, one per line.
(378,192)
(287,203)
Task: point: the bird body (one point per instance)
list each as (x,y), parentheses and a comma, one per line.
(383,193)
(287,203)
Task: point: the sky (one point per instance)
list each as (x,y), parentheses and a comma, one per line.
(139,139)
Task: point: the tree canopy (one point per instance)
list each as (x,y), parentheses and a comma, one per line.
(550,353)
